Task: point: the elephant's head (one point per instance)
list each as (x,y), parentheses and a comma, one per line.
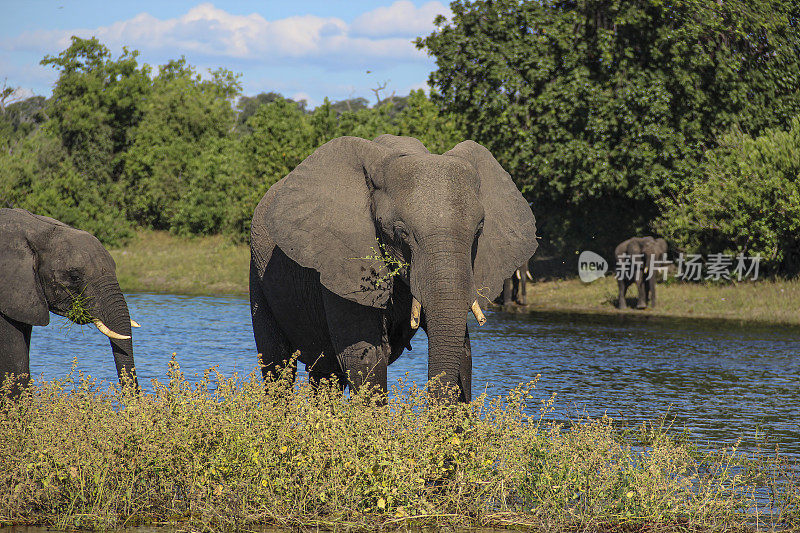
(657,247)
(456,219)
(46,266)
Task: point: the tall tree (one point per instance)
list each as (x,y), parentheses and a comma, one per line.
(184,116)
(600,107)
(96,103)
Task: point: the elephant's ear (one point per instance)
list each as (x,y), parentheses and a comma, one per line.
(320,217)
(21,295)
(509,231)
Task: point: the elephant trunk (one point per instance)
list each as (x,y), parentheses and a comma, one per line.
(111,309)
(446,297)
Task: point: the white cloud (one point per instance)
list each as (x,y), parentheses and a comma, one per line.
(384,33)
(310,102)
(26,76)
(402,18)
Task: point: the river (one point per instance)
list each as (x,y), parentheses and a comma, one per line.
(721,381)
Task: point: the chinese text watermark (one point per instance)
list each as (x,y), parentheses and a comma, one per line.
(688,267)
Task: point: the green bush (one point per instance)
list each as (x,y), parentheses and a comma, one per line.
(183,118)
(747,200)
(38,175)
(235,453)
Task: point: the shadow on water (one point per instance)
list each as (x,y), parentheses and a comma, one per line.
(721,381)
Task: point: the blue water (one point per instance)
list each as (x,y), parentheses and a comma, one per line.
(721,381)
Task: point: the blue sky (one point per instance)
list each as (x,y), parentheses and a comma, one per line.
(303,49)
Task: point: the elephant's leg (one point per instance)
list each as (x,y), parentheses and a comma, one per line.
(508,289)
(15,346)
(651,293)
(641,285)
(273,348)
(623,286)
(523,286)
(357,336)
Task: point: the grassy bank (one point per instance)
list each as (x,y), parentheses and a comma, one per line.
(763,301)
(156,261)
(160,262)
(246,455)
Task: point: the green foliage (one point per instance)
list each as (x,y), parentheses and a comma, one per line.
(601,108)
(119,148)
(209,200)
(247,107)
(19,119)
(421,118)
(96,103)
(385,260)
(183,117)
(78,311)
(350,105)
(38,175)
(240,452)
(746,200)
(282,136)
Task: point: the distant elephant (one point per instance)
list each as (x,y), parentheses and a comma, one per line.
(635,257)
(515,288)
(45,265)
(454,226)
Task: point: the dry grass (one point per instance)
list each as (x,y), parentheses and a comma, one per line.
(156,261)
(245,454)
(773,301)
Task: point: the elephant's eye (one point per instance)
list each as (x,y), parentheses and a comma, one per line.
(479,231)
(73,276)
(400,231)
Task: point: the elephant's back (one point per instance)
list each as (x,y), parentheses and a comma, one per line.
(402,144)
(633,246)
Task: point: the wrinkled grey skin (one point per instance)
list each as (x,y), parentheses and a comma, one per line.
(515,288)
(43,264)
(457,219)
(649,250)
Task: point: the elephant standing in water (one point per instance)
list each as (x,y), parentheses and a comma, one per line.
(47,266)
(454,225)
(515,288)
(635,259)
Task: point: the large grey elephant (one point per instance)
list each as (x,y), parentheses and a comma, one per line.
(515,288)
(46,265)
(454,225)
(635,257)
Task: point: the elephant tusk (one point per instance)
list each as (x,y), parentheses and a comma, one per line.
(134,324)
(528,274)
(107,332)
(416,307)
(516,274)
(479,316)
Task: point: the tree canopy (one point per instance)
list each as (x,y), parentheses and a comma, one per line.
(599,109)
(119,147)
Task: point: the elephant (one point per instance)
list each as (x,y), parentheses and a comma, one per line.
(515,287)
(452,227)
(46,265)
(635,260)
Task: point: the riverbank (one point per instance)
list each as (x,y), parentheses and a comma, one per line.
(156,261)
(244,454)
(163,263)
(767,301)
